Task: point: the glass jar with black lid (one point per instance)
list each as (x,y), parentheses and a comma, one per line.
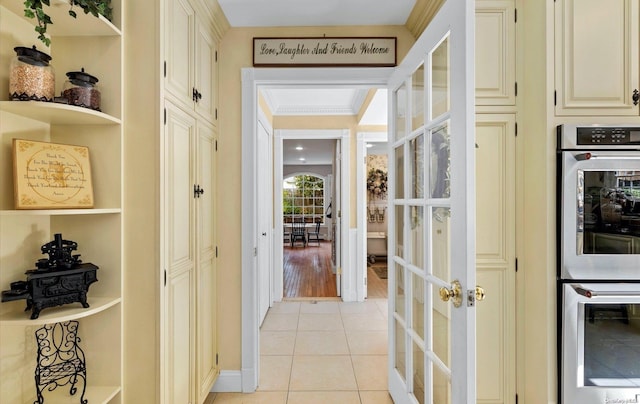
(31,77)
(80,89)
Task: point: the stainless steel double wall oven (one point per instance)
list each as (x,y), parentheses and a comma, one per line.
(598,189)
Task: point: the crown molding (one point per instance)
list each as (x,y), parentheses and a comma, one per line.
(421,15)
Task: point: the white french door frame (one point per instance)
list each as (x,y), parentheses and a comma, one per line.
(455,21)
(280,135)
(252,80)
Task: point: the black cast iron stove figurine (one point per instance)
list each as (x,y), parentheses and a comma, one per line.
(58,280)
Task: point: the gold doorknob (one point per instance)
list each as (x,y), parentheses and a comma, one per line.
(454,294)
(479,293)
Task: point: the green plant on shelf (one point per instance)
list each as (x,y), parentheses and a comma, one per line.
(35,9)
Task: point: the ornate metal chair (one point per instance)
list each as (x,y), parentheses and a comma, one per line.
(60,360)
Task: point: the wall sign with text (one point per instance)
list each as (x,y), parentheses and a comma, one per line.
(51,176)
(324,51)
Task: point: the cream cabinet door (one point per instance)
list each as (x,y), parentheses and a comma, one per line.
(495,257)
(206,72)
(206,309)
(597,57)
(180,133)
(179,51)
(495,52)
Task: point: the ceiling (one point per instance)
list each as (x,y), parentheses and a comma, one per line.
(287,13)
(319,101)
(318,151)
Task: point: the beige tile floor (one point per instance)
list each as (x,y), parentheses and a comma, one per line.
(321,352)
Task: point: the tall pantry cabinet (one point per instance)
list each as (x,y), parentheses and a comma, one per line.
(174,189)
(496,115)
(97,45)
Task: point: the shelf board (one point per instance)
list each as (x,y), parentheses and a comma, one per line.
(59,314)
(59,212)
(65,25)
(58,114)
(94,394)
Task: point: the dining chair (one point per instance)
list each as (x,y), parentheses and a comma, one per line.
(298,233)
(314,234)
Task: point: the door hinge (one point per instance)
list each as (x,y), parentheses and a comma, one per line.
(216,359)
(255,251)
(216,114)
(165,116)
(216,145)
(555,97)
(216,56)
(516,265)
(516,128)
(515,13)
(516,88)
(216,251)
(165,68)
(165,277)
(516,394)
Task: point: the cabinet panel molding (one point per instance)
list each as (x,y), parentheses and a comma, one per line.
(495,52)
(596,57)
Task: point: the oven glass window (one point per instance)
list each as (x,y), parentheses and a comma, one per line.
(609,212)
(612,345)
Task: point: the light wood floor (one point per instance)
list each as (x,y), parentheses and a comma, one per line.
(307,273)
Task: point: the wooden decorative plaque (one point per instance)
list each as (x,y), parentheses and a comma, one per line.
(324,51)
(51,175)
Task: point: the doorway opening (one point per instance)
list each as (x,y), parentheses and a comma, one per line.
(372,178)
(254,80)
(304,193)
(309,267)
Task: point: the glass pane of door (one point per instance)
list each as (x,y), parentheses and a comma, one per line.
(440,73)
(417,98)
(400,97)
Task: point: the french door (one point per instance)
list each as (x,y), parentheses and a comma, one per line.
(432,290)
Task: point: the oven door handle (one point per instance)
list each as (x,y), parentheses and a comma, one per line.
(626,155)
(605,293)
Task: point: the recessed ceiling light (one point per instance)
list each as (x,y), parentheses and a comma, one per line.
(369,145)
(301,159)
(299,148)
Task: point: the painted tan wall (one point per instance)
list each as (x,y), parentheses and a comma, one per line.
(236,53)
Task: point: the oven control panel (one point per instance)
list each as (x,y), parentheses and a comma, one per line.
(608,135)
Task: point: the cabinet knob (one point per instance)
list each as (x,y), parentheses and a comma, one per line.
(635,97)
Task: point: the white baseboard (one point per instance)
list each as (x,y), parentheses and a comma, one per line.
(229,381)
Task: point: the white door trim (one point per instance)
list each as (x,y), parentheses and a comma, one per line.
(252,79)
